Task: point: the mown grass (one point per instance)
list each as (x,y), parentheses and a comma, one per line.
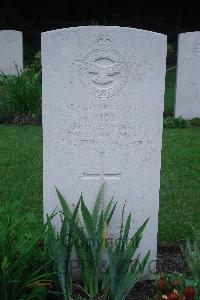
(21,166)
(21,176)
(180,184)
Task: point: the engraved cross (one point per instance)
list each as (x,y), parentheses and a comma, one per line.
(101,175)
(195,83)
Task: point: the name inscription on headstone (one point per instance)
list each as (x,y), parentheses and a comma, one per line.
(106,128)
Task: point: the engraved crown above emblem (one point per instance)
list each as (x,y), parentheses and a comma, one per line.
(103,72)
(103,42)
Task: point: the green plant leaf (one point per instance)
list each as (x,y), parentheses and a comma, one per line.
(97,204)
(64,205)
(88,221)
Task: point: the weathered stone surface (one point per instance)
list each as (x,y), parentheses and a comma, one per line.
(11,51)
(188,76)
(103,99)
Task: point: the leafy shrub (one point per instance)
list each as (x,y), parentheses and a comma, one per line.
(171,122)
(93,236)
(5,116)
(195,122)
(22,262)
(37,62)
(123,270)
(192,254)
(59,247)
(171,54)
(21,95)
(90,239)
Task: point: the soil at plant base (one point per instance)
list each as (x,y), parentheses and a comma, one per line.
(21,121)
(169,260)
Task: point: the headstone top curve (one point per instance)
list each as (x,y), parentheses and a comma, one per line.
(11,30)
(94,27)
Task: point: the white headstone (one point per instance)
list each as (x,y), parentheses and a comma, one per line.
(188,76)
(11,51)
(103,99)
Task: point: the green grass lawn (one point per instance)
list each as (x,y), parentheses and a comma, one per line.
(180,183)
(21,176)
(170,92)
(21,166)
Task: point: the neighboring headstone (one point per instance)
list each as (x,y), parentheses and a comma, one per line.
(103,99)
(188,76)
(11,51)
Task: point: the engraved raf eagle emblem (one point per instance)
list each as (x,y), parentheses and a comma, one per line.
(103,72)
